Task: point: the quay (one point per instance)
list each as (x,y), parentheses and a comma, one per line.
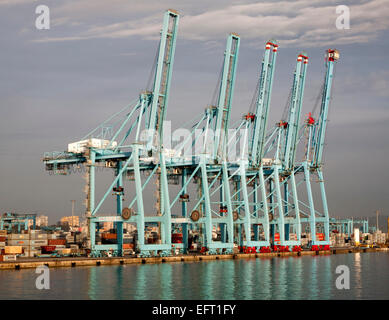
(25,263)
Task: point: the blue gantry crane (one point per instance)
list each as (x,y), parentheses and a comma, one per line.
(20,220)
(249,197)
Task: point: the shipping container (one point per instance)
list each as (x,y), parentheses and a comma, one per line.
(48,249)
(55,242)
(80,146)
(34,248)
(319,236)
(18,236)
(64,251)
(108,236)
(39,242)
(10,257)
(13,250)
(18,242)
(38,236)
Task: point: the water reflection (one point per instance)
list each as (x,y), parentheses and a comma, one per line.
(209,279)
(358,273)
(265,283)
(165,281)
(92,280)
(295,278)
(327,284)
(265,278)
(312,279)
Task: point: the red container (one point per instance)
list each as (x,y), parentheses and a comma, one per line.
(47,249)
(320,236)
(276,237)
(3,239)
(128,246)
(56,242)
(177,238)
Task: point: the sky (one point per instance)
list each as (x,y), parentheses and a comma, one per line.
(58,84)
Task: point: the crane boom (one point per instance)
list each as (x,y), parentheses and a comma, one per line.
(163,73)
(263,102)
(292,126)
(318,142)
(226,91)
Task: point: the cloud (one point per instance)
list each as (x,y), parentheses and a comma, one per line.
(379,82)
(293,23)
(15,2)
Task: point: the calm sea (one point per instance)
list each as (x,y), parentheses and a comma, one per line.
(307,277)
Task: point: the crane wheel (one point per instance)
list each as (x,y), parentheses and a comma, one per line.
(195,215)
(126,213)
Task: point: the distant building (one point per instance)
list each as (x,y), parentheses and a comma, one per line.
(72,221)
(42,221)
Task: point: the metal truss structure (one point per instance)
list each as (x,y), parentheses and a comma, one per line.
(9,220)
(347,226)
(253,200)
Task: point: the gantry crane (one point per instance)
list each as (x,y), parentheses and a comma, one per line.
(313,161)
(10,219)
(246,199)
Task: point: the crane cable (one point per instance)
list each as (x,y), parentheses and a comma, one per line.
(216,92)
(150,81)
(287,105)
(255,97)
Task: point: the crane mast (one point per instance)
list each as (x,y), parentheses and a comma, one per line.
(226,91)
(263,102)
(318,141)
(292,126)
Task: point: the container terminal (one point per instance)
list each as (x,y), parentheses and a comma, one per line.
(259,190)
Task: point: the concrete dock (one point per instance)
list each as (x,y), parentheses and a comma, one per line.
(25,263)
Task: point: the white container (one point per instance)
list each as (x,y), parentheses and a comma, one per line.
(38,236)
(81,146)
(18,242)
(18,236)
(35,248)
(39,242)
(9,257)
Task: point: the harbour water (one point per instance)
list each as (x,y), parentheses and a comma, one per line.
(306,277)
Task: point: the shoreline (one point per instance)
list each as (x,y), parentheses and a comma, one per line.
(84,261)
